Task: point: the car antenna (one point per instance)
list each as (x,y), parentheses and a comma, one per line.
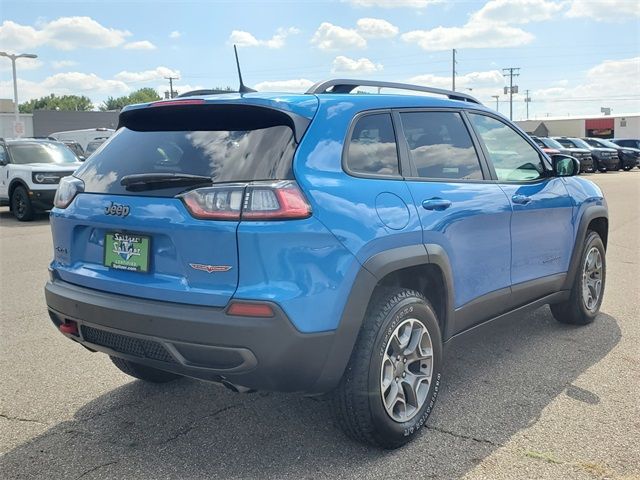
(243,88)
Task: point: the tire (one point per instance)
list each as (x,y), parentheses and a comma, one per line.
(358,401)
(576,310)
(143,372)
(21,204)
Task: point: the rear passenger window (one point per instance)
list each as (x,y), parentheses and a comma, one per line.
(440,145)
(372,148)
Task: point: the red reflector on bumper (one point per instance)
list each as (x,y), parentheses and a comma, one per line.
(70,328)
(242,309)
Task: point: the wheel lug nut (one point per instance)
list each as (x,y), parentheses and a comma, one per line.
(404,360)
(398,357)
(404,374)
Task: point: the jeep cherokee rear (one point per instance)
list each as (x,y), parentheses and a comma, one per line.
(318,243)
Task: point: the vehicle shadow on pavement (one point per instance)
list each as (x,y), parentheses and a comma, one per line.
(496,383)
(7,220)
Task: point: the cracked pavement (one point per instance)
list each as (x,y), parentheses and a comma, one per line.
(525,399)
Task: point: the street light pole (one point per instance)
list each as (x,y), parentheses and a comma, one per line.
(13,57)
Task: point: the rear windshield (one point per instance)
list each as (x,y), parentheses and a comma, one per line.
(222,155)
(26,153)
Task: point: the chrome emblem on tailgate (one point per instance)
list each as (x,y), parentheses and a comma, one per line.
(210,268)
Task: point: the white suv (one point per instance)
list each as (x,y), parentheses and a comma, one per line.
(30,171)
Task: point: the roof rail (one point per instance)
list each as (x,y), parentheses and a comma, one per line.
(341,85)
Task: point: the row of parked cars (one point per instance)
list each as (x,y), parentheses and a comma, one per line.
(595,154)
(31,168)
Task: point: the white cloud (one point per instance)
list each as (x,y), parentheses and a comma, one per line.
(362,65)
(394,3)
(58,64)
(246,39)
(71,83)
(64,33)
(140,45)
(517,11)
(175,34)
(471,35)
(604,10)
(476,81)
(157,73)
(295,85)
(21,64)
(333,37)
(376,28)
(612,83)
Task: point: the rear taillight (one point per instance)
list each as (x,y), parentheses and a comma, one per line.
(67,190)
(279,200)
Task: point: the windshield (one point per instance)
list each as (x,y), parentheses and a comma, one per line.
(608,143)
(580,143)
(222,156)
(25,153)
(551,143)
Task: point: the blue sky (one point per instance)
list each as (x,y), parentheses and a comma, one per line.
(574,56)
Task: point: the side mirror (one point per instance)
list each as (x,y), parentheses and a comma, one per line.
(565,165)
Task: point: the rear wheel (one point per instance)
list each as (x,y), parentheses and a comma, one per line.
(21,204)
(583,305)
(390,385)
(143,372)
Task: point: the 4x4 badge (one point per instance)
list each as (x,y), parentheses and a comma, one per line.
(210,268)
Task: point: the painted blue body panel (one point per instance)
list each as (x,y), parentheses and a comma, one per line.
(542,231)
(300,265)
(474,232)
(308,266)
(177,239)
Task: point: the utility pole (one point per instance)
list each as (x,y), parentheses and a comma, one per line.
(171,79)
(527,100)
(497,97)
(512,72)
(453,71)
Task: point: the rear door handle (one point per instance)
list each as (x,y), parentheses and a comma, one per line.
(436,204)
(521,199)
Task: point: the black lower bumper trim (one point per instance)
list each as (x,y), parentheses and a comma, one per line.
(192,340)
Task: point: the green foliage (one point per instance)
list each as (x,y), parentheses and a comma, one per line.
(142,95)
(55,102)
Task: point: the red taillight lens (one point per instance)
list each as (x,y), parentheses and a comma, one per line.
(246,309)
(280,200)
(169,103)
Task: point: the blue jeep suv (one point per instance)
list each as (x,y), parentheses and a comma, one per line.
(323,243)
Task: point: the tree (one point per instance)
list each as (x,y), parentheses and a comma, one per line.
(55,102)
(143,95)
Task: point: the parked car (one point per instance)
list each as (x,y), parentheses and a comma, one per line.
(76,148)
(84,136)
(30,171)
(603,158)
(628,156)
(582,154)
(93,145)
(627,142)
(322,243)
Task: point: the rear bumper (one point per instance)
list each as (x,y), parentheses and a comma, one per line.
(192,340)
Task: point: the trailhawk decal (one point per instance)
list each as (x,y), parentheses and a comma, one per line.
(210,268)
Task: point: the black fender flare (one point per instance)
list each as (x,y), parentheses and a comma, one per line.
(374,269)
(12,186)
(591,213)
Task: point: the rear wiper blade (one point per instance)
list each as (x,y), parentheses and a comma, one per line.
(155,181)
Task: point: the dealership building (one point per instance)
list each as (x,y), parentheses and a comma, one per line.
(610,126)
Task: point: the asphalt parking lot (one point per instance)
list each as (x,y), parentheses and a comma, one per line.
(527,399)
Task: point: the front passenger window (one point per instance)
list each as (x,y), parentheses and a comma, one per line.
(513,158)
